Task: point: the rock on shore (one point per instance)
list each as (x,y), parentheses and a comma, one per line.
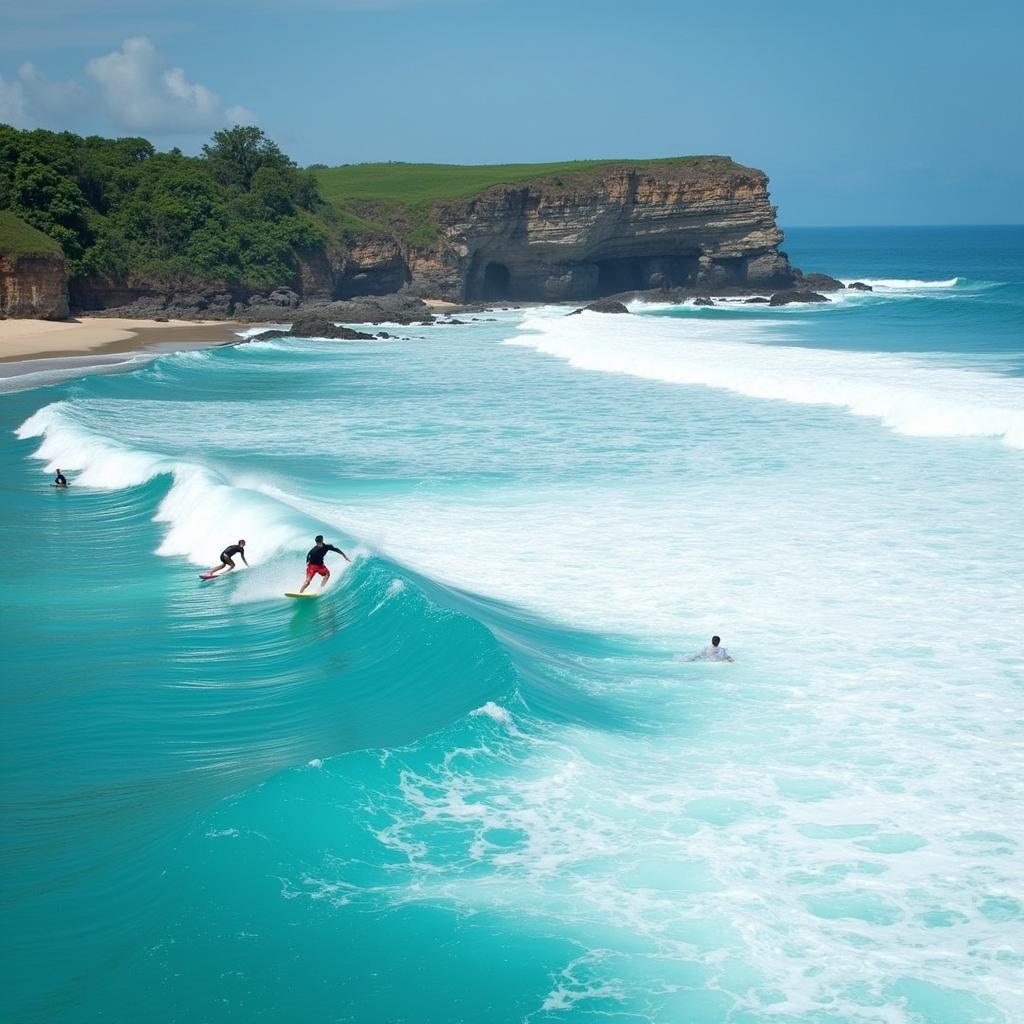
(786,298)
(315,327)
(601,306)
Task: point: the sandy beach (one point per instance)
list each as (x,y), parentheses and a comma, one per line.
(38,339)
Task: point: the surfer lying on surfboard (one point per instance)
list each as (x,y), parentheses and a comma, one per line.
(315,562)
(227,559)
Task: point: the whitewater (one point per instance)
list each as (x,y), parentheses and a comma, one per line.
(480,778)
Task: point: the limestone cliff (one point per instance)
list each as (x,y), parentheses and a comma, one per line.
(33,278)
(371,265)
(33,286)
(706,224)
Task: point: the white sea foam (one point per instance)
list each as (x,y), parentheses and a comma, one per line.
(916,397)
(902,284)
(495,712)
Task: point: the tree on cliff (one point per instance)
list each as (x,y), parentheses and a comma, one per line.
(238,155)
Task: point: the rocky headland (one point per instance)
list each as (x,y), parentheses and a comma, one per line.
(705,224)
(381,238)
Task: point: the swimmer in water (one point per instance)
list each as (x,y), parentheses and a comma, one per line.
(713,652)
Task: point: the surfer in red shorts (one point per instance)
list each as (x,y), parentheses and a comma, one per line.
(315,563)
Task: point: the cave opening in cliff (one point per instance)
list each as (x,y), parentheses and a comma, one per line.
(621,275)
(497,281)
(629,274)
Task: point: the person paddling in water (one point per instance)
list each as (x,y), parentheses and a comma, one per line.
(60,480)
(315,563)
(227,558)
(713,652)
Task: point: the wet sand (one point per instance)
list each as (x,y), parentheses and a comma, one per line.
(100,336)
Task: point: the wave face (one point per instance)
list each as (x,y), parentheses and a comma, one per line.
(478,779)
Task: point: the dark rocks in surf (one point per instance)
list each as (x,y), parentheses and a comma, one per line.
(316,327)
(703,300)
(860,286)
(818,283)
(793,295)
(379,309)
(756,299)
(321,327)
(601,306)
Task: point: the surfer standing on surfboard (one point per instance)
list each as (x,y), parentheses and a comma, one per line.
(227,558)
(61,480)
(315,562)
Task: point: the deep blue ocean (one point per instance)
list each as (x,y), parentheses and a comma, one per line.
(478,779)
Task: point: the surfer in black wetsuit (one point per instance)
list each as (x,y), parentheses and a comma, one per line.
(227,558)
(60,480)
(315,562)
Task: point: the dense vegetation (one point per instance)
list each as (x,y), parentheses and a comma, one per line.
(396,197)
(124,212)
(20,239)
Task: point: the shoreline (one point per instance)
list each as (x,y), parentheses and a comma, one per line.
(30,340)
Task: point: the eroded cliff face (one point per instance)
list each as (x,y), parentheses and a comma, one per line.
(707,225)
(33,287)
(372,265)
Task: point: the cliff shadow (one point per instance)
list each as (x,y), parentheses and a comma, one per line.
(639,273)
(488,280)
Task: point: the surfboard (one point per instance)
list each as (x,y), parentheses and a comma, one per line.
(207,576)
(308,593)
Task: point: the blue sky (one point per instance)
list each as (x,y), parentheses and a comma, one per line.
(869,113)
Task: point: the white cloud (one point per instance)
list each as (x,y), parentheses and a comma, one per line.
(141,91)
(32,100)
(12,103)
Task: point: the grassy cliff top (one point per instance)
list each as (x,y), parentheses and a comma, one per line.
(411,183)
(395,198)
(20,239)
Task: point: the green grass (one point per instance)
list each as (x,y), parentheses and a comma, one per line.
(397,197)
(409,183)
(20,239)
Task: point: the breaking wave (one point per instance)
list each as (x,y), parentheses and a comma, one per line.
(919,397)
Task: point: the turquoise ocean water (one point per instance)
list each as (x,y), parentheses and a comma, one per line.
(477,780)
